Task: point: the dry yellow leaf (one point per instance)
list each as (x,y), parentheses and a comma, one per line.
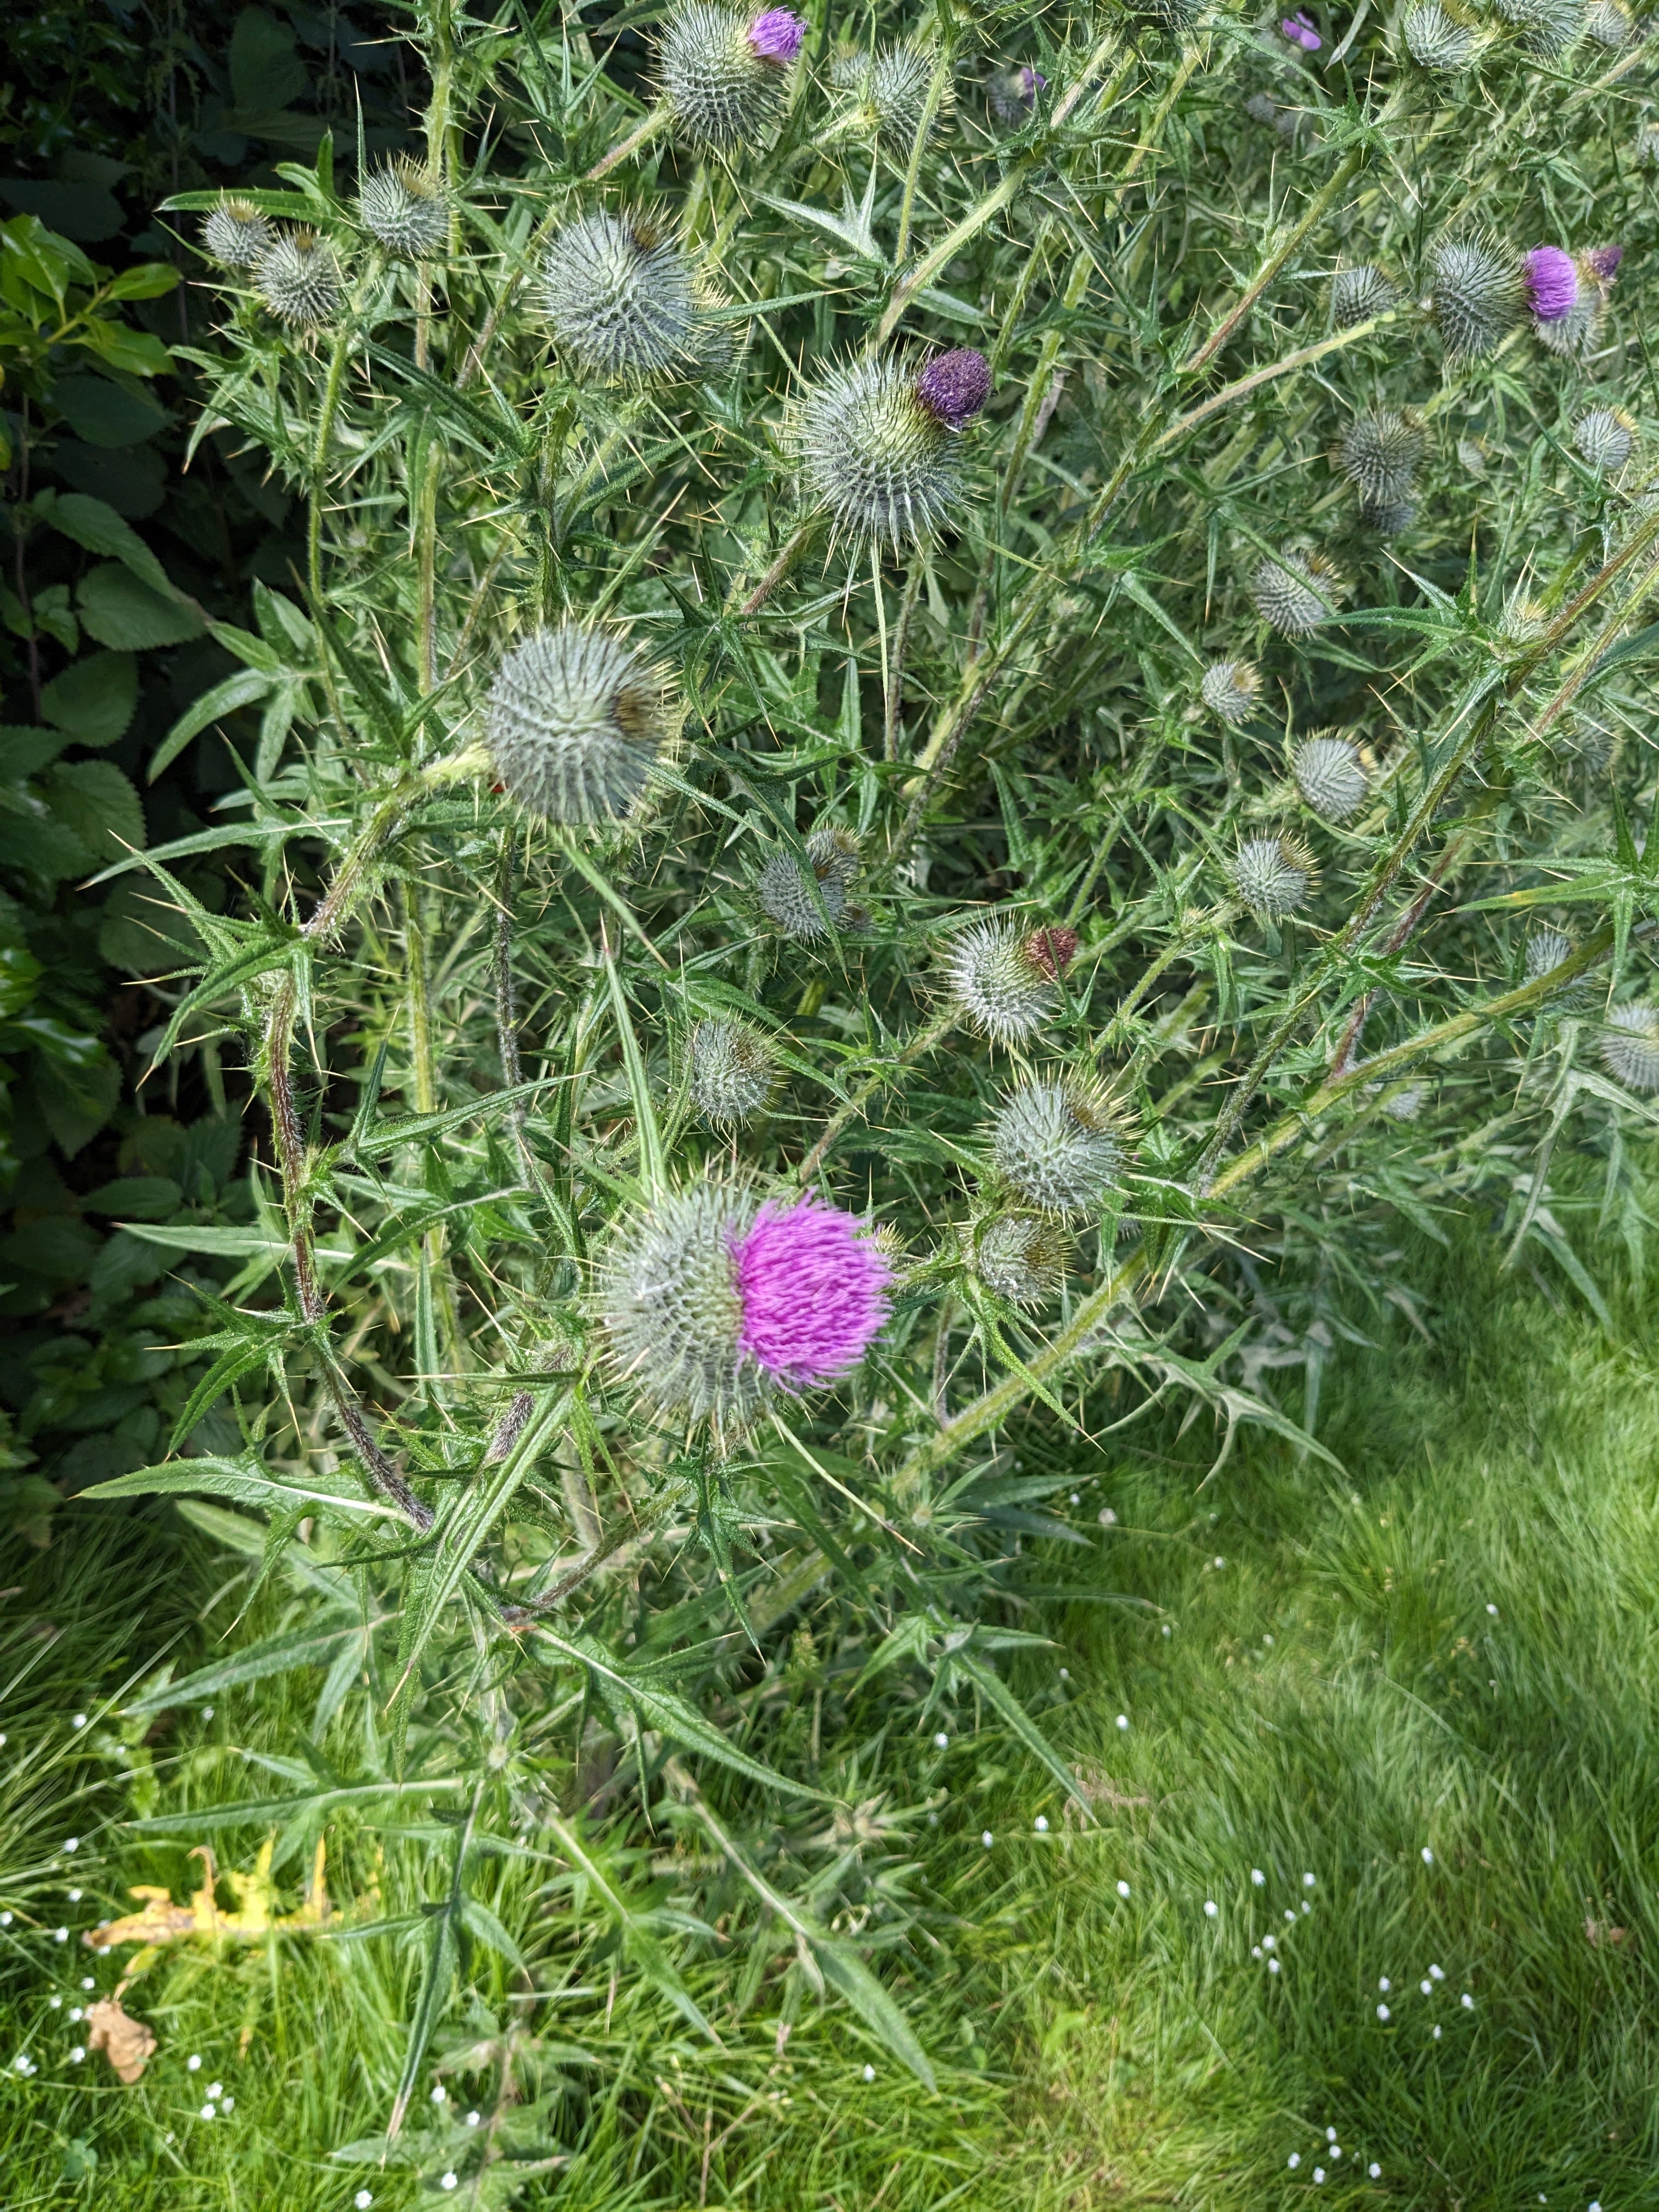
(161,1921)
(126,2043)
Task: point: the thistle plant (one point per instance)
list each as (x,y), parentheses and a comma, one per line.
(236,234)
(403,209)
(712,851)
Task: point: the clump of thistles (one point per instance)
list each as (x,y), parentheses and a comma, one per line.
(1294,591)
(732,1072)
(1605,437)
(237,234)
(1330,775)
(724,71)
(1023,1258)
(574,721)
(1057,1143)
(403,206)
(1631,1045)
(714,1301)
(877,442)
(810,909)
(1273,875)
(1478,293)
(622,297)
(298,279)
(1002,982)
(1229,689)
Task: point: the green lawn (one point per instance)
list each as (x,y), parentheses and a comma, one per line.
(1424,1678)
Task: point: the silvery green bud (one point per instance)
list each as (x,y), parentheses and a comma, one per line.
(724,71)
(896,92)
(1022,1258)
(878,449)
(298,279)
(1631,1045)
(669,1299)
(1609,23)
(621,296)
(1001,980)
(1273,875)
(1605,437)
(575,719)
(787,897)
(404,207)
(1546,950)
(1359,294)
(1055,1142)
(1548,28)
(1439,38)
(1330,775)
(237,234)
(1478,295)
(1229,689)
(732,1071)
(1292,592)
(1379,454)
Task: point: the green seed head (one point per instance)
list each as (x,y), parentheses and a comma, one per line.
(732,1071)
(1273,875)
(1293,590)
(299,280)
(787,897)
(1054,1141)
(621,298)
(1631,1045)
(404,207)
(1229,688)
(237,234)
(722,92)
(1477,295)
(575,719)
(1359,294)
(1023,1258)
(1605,437)
(1330,775)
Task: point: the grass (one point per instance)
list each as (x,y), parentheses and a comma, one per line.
(1335,1695)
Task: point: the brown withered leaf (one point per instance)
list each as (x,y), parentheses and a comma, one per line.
(161,1922)
(126,2043)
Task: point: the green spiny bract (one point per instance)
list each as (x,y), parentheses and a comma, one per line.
(1477,295)
(405,208)
(576,719)
(1273,875)
(785,896)
(1629,1045)
(1229,689)
(1023,1258)
(1055,1142)
(1605,437)
(622,297)
(1380,452)
(1436,38)
(1330,775)
(872,457)
(1292,591)
(1001,980)
(1360,292)
(298,279)
(720,90)
(732,1071)
(667,1297)
(236,234)
(1548,28)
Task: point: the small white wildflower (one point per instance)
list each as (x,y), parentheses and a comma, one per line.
(1123,1720)
(1306,1881)
(1270,1942)
(1106,1517)
(1065,1673)
(1427,1987)
(60,1935)
(1436,2031)
(1595,2204)
(1492,1610)
(869,2072)
(1330,2134)
(1428,1856)
(1076,1497)
(1041,1825)
(54,2000)
(3,1741)
(986,1839)
(5,1920)
(72,1843)
(229,2105)
(207,1712)
(193,2063)
(1218,1561)
(1209,1908)
(77,2052)
(1319,2174)
(941,1742)
(1289,1915)
(1336,2150)
(1257,1876)
(74,1896)
(215,2089)
(80,1720)
(1294,2160)
(1167,1631)
(1123,1889)
(207,2112)
(438,2094)
(1382,2012)
(1374,2171)
(1382,1983)
(75,2012)
(1272,1966)
(1306,1907)
(473,2119)
(1466,2002)
(363,2200)
(88,1982)
(1267,1640)
(1437,1973)
(450,2181)
(1256,1950)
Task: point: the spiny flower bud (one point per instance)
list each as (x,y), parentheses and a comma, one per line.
(895,95)
(724,71)
(1606,437)
(1229,689)
(298,279)
(1477,295)
(1546,950)
(1646,148)
(1379,454)
(1608,22)
(1436,38)
(876,442)
(1022,1258)
(1055,1142)
(575,719)
(732,1071)
(1359,294)
(713,1303)
(404,207)
(237,234)
(1631,1046)
(1330,775)
(1011,94)
(1273,875)
(1548,28)
(1552,283)
(1292,591)
(621,296)
(787,897)
(1001,980)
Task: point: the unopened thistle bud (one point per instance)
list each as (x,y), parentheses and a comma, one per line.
(1330,775)
(1056,1141)
(575,719)
(1548,28)
(405,208)
(1478,293)
(713,1303)
(1359,294)
(895,90)
(1229,688)
(298,279)
(1002,980)
(732,1071)
(877,442)
(1294,591)
(724,71)
(1646,148)
(1439,38)
(1022,1258)
(622,297)
(1605,437)
(1631,1045)
(1609,23)
(1546,950)
(787,897)
(1011,95)
(237,234)
(1273,875)
(1379,454)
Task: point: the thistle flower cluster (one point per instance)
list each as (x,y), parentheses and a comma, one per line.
(733,1072)
(809,910)
(622,297)
(877,442)
(1002,982)
(298,279)
(1022,1257)
(405,208)
(1330,775)
(724,72)
(1576,330)
(574,721)
(714,1301)
(1057,1143)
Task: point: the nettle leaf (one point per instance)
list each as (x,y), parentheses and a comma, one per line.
(94,699)
(121,610)
(94,801)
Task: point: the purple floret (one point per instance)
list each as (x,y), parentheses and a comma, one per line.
(1603,262)
(1300,33)
(813,1289)
(955,386)
(1552,283)
(1031,82)
(776,36)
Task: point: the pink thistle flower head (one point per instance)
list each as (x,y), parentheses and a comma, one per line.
(776,36)
(1552,283)
(955,386)
(1300,33)
(813,1287)
(1603,262)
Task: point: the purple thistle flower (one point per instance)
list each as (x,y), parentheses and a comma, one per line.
(814,1291)
(1603,262)
(955,386)
(1300,33)
(1552,283)
(776,36)
(1031,82)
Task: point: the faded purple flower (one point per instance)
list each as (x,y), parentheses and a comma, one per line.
(1300,33)
(1552,283)
(955,386)
(813,1286)
(1030,82)
(776,36)
(1603,262)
